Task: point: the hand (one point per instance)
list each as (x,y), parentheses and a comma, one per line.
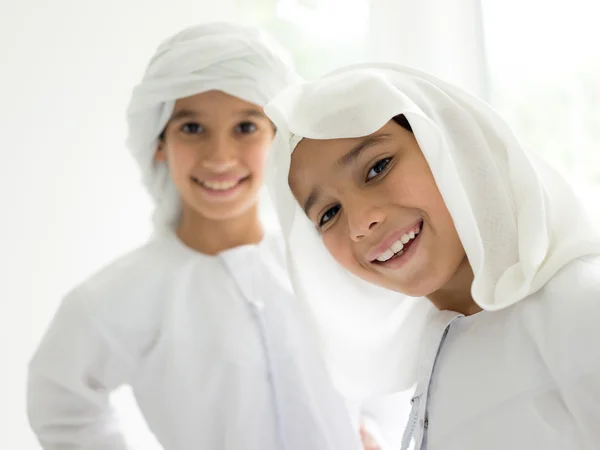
(367,440)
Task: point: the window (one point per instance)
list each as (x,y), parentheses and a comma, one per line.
(544,61)
(322,35)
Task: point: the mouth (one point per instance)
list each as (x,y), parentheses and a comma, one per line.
(400,249)
(220,187)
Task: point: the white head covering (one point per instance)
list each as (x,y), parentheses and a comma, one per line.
(518,220)
(238,60)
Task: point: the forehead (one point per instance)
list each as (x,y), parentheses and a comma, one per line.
(210,101)
(311,154)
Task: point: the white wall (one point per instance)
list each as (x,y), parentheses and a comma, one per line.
(69,192)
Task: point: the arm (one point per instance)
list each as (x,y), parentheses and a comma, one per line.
(567,332)
(70,379)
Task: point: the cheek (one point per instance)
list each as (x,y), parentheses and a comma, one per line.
(408,189)
(430,201)
(181,158)
(416,188)
(434,206)
(254,157)
(413,186)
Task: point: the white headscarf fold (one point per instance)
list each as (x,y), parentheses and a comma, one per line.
(241,61)
(518,219)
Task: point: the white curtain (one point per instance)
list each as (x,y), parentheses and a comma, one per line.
(444,37)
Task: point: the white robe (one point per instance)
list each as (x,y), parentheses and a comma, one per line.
(525,377)
(192,335)
(524,373)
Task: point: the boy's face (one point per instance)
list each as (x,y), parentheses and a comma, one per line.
(215,146)
(378,209)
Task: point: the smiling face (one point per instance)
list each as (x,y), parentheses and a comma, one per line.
(215,146)
(379,211)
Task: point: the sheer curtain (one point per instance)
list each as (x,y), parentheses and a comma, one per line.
(443,37)
(544,63)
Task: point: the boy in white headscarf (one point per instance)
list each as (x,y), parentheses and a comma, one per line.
(386,176)
(201,321)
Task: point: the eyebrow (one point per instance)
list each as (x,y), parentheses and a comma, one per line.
(311,200)
(183,114)
(188,113)
(363,145)
(345,161)
(251,113)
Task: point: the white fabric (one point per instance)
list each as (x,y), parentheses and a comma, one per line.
(184,330)
(526,377)
(518,220)
(383,417)
(238,60)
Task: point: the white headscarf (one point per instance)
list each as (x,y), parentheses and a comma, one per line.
(518,220)
(241,61)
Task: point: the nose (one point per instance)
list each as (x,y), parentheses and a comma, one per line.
(363,220)
(222,155)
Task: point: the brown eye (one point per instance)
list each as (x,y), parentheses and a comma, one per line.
(328,215)
(246,128)
(192,128)
(379,167)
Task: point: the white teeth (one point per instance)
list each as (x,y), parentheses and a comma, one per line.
(385,255)
(398,246)
(395,248)
(219,185)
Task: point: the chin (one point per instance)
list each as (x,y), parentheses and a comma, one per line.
(415,291)
(223,212)
(413,288)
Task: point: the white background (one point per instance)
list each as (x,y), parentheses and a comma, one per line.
(69,191)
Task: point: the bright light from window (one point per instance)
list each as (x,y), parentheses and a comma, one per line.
(331,20)
(322,35)
(544,62)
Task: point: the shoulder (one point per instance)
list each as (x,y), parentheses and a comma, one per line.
(134,272)
(564,318)
(129,292)
(572,297)
(118,312)
(581,276)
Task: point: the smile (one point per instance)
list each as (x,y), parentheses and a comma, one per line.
(220,187)
(399,245)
